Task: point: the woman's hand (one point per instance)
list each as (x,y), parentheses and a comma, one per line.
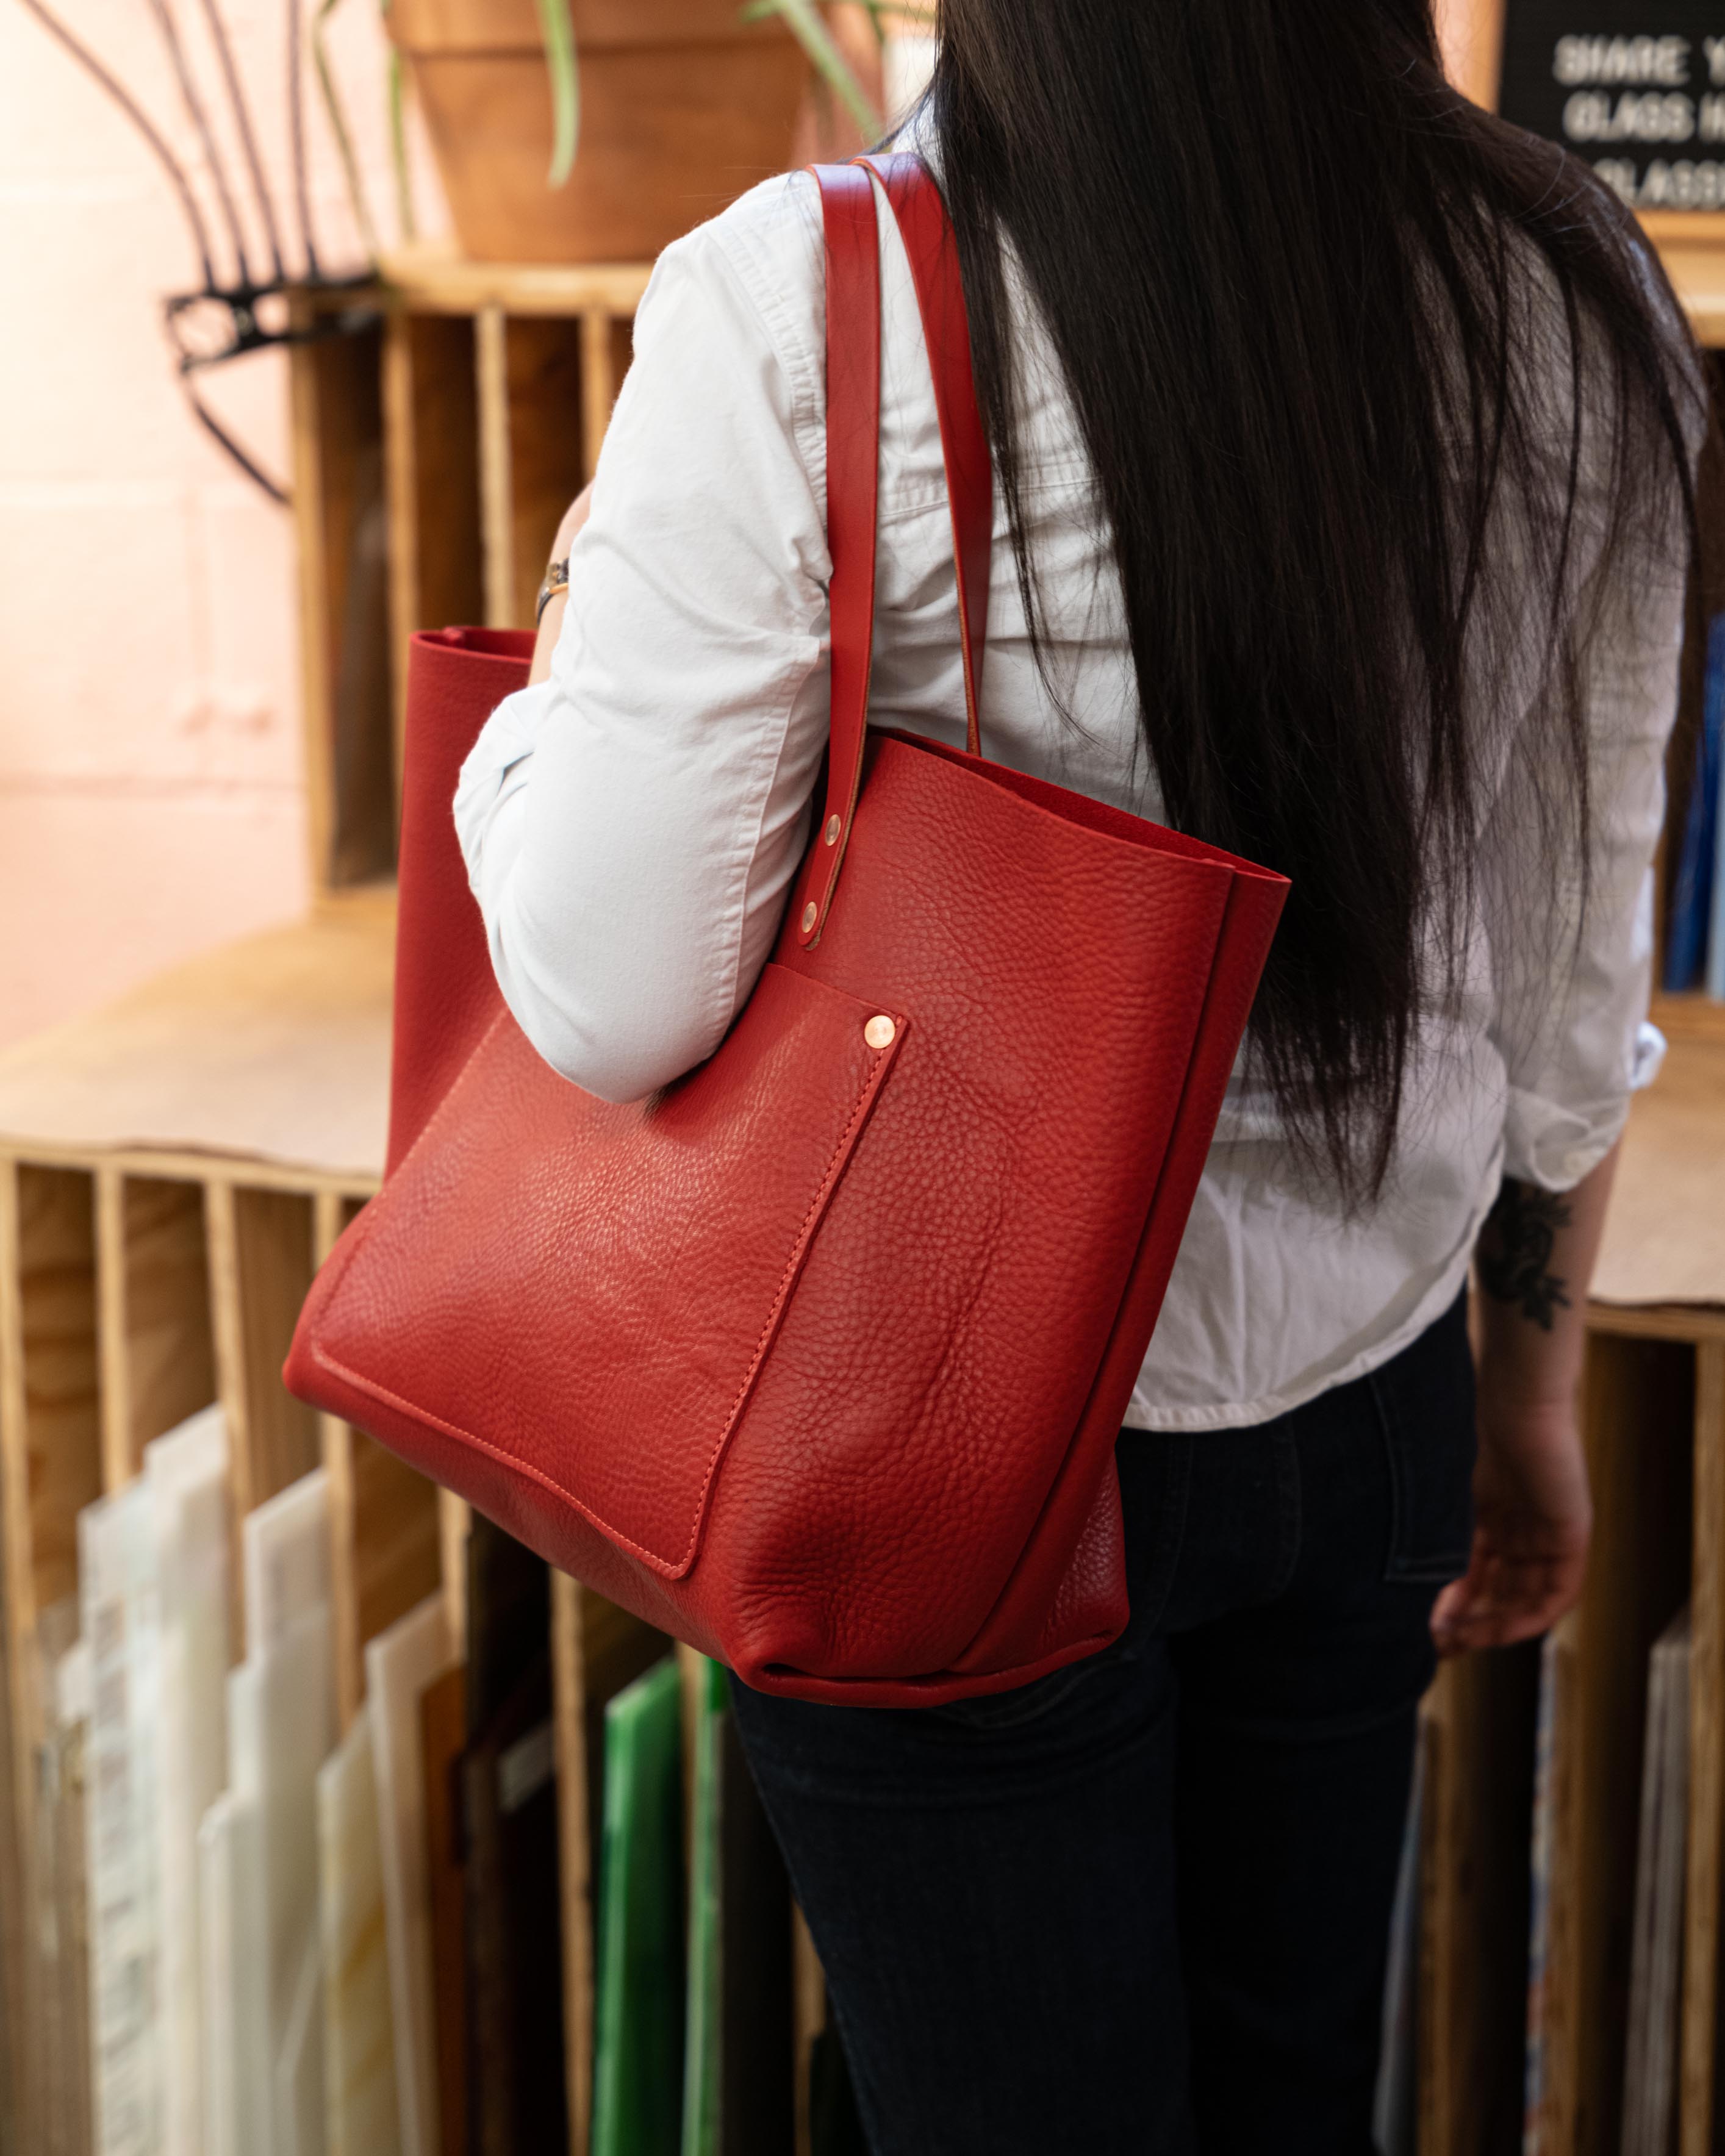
(1532,1519)
(1533,1514)
(552,620)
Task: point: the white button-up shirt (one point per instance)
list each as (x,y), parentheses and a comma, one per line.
(632,825)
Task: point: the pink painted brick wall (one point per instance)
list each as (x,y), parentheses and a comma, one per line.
(152,782)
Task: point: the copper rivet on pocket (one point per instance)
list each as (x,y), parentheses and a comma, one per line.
(809,914)
(834,828)
(880,1032)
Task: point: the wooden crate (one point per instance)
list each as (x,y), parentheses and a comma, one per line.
(434,454)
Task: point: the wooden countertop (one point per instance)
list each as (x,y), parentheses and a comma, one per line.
(273,1050)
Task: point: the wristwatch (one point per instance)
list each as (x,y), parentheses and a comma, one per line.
(556,579)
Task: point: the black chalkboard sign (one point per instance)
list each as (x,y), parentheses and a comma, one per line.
(1637,88)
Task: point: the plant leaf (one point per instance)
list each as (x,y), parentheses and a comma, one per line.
(336,114)
(398,145)
(802,18)
(557,27)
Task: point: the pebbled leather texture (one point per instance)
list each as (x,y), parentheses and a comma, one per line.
(816,1359)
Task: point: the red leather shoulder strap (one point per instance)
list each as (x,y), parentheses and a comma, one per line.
(927,231)
(853,270)
(847,200)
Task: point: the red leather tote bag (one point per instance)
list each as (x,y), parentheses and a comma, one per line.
(817,1358)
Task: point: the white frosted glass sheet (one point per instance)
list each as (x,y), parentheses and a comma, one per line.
(118,1614)
(285,1558)
(281,1717)
(400,1663)
(259,1844)
(360,2103)
(236,2022)
(186,1474)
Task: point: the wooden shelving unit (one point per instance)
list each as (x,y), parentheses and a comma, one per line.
(434,453)
(172,1171)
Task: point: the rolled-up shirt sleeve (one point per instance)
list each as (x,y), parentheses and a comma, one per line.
(632,824)
(1572,976)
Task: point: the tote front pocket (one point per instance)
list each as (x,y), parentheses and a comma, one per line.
(650,1251)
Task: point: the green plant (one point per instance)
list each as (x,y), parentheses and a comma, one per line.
(557,25)
(802,18)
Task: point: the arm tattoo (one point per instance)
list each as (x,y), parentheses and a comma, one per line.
(1515,1251)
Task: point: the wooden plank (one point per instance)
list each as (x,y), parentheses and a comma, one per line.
(401,488)
(605,347)
(311,533)
(1639,1409)
(59,1404)
(118,1466)
(1692,1016)
(396,1546)
(454,1516)
(433,278)
(491,359)
(1479,1732)
(385,1554)
(809,2017)
(18,1702)
(574,1842)
(1689,1322)
(156,1353)
(1707,1759)
(50,1468)
(260,1267)
(275,1248)
(342,522)
(546,423)
(431,452)
(200,1168)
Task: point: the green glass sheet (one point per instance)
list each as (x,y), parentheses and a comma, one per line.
(638,2043)
(703,2050)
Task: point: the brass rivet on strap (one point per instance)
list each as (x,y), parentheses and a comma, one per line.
(880,1032)
(834,828)
(809,912)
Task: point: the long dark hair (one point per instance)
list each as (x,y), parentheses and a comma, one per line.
(1293,279)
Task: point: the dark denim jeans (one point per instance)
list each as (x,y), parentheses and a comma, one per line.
(1141,1908)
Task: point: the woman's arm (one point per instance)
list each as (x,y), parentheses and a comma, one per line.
(551,621)
(631,819)
(1532,1513)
